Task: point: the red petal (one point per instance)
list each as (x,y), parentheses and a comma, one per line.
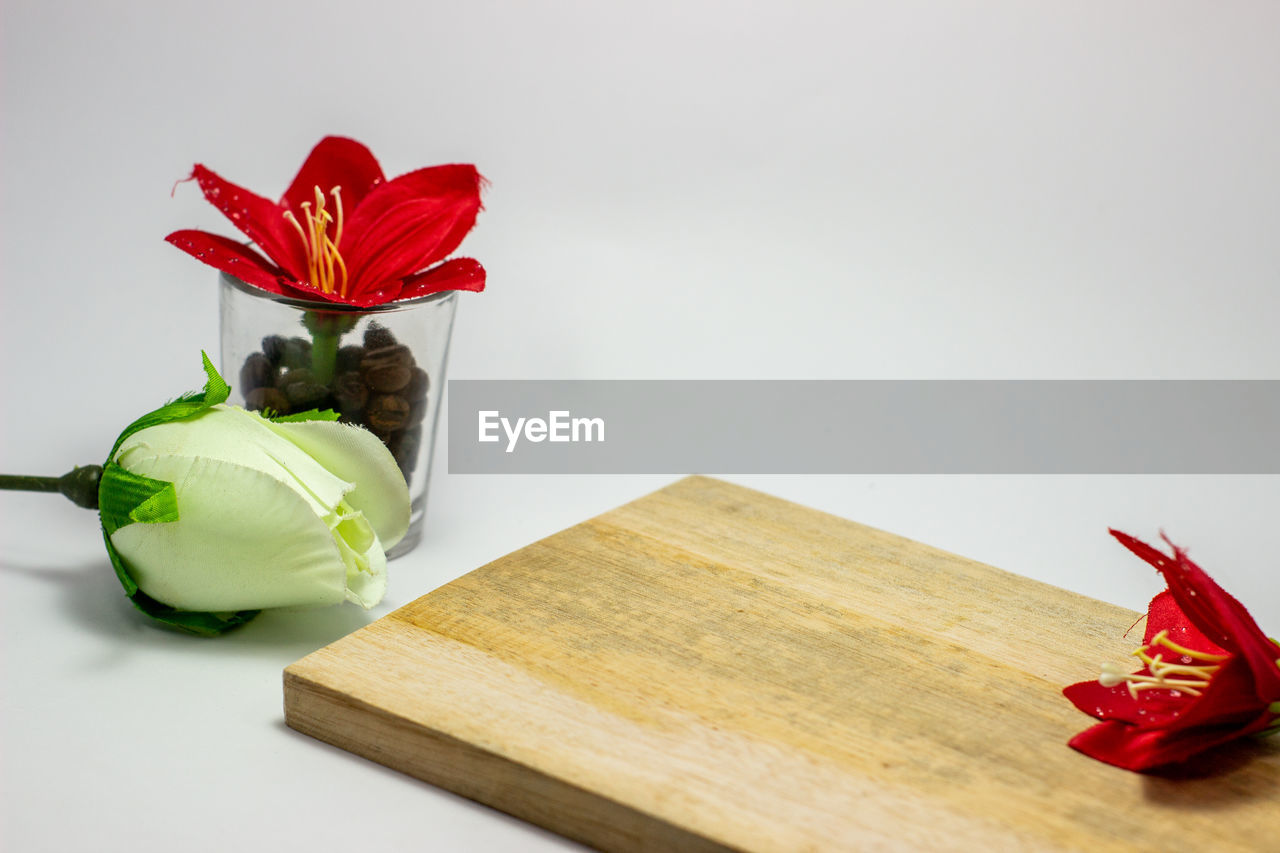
(1127,746)
(335,162)
(407,239)
(1229,696)
(410,223)
(453,274)
(231,257)
(260,219)
(1164,614)
(1221,618)
(379,296)
(308,291)
(1105,703)
(1136,748)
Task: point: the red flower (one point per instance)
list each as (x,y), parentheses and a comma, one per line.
(343,233)
(1209,675)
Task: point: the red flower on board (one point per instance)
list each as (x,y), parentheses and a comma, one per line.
(1209,675)
(344,233)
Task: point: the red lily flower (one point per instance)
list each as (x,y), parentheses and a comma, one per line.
(343,233)
(1210,675)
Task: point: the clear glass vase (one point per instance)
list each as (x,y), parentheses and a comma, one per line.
(381,368)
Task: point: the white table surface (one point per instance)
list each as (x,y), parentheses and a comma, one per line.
(683,190)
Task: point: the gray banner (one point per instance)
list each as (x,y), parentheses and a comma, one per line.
(864,427)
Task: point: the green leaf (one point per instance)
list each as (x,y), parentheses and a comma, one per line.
(125,498)
(309,415)
(216,391)
(191,621)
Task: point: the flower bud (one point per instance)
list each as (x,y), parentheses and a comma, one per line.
(269,514)
(212,513)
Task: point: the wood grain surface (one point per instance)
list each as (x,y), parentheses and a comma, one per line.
(713,668)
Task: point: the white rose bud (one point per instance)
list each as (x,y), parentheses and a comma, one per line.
(270,514)
(212,513)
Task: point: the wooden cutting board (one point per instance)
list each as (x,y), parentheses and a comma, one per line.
(709,667)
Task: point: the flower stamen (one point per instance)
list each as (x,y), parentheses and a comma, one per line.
(1191,675)
(336,192)
(325,268)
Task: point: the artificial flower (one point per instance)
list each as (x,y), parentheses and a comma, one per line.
(212,513)
(343,233)
(1209,675)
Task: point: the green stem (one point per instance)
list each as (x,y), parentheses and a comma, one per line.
(324,356)
(23,483)
(327,329)
(79,485)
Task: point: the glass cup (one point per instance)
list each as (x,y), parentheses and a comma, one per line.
(381,368)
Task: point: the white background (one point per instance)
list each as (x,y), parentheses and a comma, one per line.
(679,190)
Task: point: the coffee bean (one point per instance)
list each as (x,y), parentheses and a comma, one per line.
(257,372)
(297,374)
(273,348)
(349,357)
(350,392)
(296,353)
(404,449)
(378,336)
(386,413)
(302,390)
(391,354)
(387,379)
(261,399)
(387,369)
(419,385)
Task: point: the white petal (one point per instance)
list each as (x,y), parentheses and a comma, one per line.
(234,435)
(365,560)
(358,456)
(244,540)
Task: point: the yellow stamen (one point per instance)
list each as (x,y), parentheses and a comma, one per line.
(309,242)
(1163,639)
(293,220)
(1190,676)
(342,267)
(326,269)
(336,192)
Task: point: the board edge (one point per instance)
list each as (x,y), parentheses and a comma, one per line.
(327,714)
